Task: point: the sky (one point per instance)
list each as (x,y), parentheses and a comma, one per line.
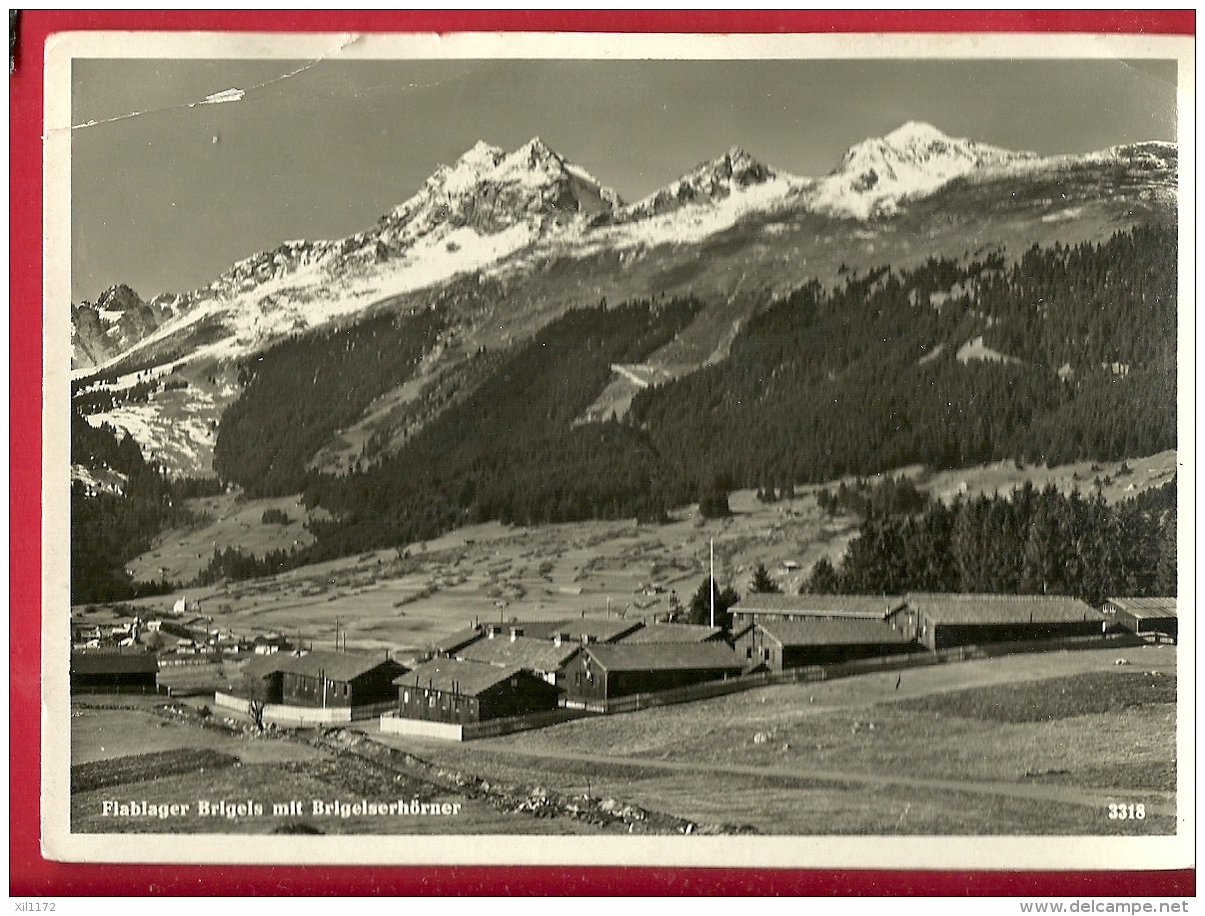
(166,200)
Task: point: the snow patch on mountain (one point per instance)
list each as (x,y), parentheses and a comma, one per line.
(175,428)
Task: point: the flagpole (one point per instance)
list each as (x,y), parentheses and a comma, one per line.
(711,584)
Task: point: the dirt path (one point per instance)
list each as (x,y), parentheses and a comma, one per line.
(1093,798)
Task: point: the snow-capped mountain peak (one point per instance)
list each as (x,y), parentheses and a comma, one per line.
(490,190)
(914,159)
(915,133)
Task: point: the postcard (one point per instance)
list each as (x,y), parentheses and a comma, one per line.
(753,450)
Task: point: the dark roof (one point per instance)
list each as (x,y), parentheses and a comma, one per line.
(833,632)
(670,633)
(453,642)
(1146,608)
(520,652)
(706,656)
(335,666)
(263,665)
(872,606)
(114,663)
(1001,609)
(597,629)
(454,675)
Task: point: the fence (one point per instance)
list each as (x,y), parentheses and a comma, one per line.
(303,716)
(495,727)
(393,724)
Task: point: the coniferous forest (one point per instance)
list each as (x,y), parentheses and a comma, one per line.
(868,377)
(1030,542)
(297,394)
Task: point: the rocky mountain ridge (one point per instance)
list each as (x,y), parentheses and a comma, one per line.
(505,242)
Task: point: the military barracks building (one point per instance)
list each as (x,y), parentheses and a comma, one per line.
(461,692)
(604,672)
(321,679)
(781,644)
(789,631)
(793,631)
(948,620)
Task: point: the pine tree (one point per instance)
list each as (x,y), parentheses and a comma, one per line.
(763,584)
(823,580)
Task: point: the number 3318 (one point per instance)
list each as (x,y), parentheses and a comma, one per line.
(1129,812)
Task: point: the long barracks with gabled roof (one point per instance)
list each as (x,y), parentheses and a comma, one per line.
(944,620)
(579,629)
(602,672)
(755,607)
(670,633)
(782,644)
(539,656)
(114,672)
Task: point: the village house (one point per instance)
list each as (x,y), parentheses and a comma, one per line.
(114,672)
(946,620)
(184,606)
(456,691)
(1144,616)
(270,644)
(543,658)
(603,672)
(756,608)
(783,644)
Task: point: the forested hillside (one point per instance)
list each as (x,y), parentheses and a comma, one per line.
(297,394)
(869,376)
(1066,354)
(1029,542)
(511,451)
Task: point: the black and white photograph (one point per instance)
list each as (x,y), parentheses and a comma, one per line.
(748,450)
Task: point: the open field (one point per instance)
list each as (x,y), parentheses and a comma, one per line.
(1021,744)
(140,754)
(111,731)
(227,520)
(404,599)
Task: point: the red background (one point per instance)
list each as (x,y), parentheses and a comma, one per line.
(33,876)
